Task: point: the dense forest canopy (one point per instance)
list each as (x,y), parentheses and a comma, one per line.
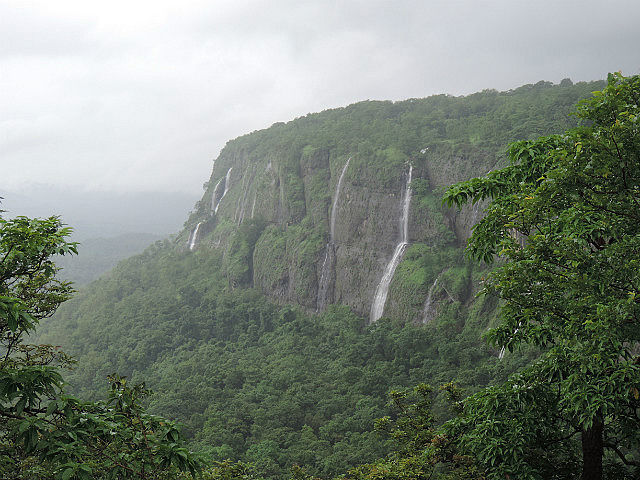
(296,394)
(277,385)
(44,433)
(564,216)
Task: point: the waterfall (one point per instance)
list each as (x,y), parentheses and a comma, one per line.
(215,196)
(326,276)
(226,182)
(193,238)
(226,189)
(429,310)
(253,206)
(380,297)
(405,208)
(334,207)
(328,265)
(246,187)
(476,213)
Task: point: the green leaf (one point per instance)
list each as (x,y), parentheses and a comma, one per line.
(67,474)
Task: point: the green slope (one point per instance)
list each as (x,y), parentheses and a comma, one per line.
(254,377)
(255,381)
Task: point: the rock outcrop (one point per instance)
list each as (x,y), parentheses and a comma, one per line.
(280,184)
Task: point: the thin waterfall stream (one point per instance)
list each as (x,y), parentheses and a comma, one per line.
(429,310)
(193,238)
(380,297)
(253,206)
(226,189)
(215,196)
(328,265)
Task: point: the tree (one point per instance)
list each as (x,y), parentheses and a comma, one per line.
(564,221)
(45,433)
(421,452)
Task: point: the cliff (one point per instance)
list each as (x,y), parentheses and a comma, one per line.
(311,213)
(269,202)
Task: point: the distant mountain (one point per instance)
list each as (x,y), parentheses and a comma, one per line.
(99,255)
(101,214)
(296,222)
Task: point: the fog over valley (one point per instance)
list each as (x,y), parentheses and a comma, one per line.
(142,96)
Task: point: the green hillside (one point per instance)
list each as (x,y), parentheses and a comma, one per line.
(221,323)
(254,381)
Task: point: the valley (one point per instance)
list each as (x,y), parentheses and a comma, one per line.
(318,271)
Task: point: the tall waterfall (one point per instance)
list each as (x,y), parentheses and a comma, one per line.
(246,188)
(328,265)
(226,189)
(253,206)
(334,207)
(215,196)
(193,238)
(380,297)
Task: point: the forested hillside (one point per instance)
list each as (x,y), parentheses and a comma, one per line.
(226,324)
(286,178)
(252,380)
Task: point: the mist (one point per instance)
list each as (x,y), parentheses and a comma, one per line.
(120,98)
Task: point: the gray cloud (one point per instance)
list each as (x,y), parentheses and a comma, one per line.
(142,95)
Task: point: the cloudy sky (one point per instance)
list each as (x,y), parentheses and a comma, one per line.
(141,96)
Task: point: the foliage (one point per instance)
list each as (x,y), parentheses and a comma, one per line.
(421,452)
(393,130)
(564,216)
(225,470)
(239,257)
(274,385)
(252,381)
(43,432)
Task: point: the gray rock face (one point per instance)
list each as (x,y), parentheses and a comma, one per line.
(292,193)
(368,228)
(273,223)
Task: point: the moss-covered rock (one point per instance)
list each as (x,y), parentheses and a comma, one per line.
(286,176)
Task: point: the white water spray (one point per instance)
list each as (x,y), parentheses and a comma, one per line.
(476,213)
(328,265)
(246,188)
(253,206)
(334,207)
(193,238)
(214,195)
(226,189)
(380,297)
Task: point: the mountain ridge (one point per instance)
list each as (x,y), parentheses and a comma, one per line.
(221,320)
(293,168)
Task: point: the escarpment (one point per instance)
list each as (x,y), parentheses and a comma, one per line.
(311,212)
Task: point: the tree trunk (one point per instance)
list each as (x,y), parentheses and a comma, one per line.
(592,451)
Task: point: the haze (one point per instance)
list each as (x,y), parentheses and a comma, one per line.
(141,96)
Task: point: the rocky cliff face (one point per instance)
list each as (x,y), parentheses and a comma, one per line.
(289,197)
(273,222)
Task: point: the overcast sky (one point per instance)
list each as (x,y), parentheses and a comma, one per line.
(141,96)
